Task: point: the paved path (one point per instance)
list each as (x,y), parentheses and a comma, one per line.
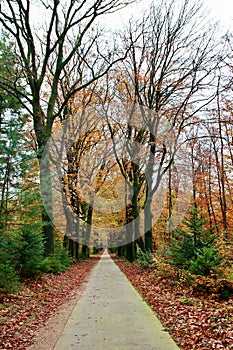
(111,315)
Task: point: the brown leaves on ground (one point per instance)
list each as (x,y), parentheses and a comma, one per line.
(21,314)
(195,322)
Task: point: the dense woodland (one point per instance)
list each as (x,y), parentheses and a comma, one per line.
(144,116)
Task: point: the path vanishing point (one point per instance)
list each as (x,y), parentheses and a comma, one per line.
(111,315)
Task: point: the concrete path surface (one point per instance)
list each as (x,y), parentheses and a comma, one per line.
(111,315)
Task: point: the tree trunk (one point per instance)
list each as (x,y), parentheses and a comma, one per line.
(121,251)
(140,243)
(48,232)
(135,213)
(76,228)
(85,250)
(223,200)
(148,226)
(71,248)
(130,252)
(47,205)
(136,221)
(129,248)
(170,204)
(66,242)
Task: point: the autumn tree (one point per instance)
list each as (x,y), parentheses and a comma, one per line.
(209,147)
(215,152)
(45,54)
(79,169)
(169,73)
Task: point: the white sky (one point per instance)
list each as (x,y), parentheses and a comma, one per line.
(222,10)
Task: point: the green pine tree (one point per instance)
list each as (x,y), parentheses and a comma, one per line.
(9,279)
(207,261)
(195,247)
(31,252)
(13,156)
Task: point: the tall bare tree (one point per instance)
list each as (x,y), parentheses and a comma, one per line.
(171,74)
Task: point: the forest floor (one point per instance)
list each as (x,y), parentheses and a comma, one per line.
(195,321)
(49,301)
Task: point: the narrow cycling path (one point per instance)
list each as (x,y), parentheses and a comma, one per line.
(111,315)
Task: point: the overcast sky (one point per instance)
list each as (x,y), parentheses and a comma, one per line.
(220,9)
(223,10)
